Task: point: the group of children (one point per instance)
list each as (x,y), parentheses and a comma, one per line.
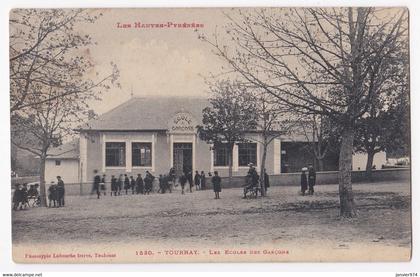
(123,183)
(146,185)
(22,195)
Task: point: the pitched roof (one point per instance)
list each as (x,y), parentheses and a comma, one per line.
(152,113)
(69,150)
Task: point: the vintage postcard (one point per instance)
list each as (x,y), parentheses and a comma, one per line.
(210,135)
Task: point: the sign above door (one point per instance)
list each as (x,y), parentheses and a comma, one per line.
(182,123)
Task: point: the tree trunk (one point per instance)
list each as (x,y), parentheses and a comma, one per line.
(347,207)
(369,164)
(42,190)
(230,162)
(262,175)
(320,164)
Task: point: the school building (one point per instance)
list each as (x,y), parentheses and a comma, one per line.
(156,134)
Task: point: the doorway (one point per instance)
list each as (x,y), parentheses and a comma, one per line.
(182,157)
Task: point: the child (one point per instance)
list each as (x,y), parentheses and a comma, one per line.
(132,184)
(197,180)
(217,185)
(17,197)
(126,184)
(183,181)
(203,180)
(103,185)
(114,185)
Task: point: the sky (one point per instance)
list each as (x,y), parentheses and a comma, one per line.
(154,62)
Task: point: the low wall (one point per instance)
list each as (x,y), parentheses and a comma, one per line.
(327,178)
(284,179)
(25,179)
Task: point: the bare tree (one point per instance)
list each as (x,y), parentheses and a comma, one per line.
(273,120)
(230,116)
(321,61)
(385,126)
(321,134)
(46,50)
(50,87)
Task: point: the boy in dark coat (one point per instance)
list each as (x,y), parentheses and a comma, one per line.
(103,185)
(166,183)
(303,181)
(197,180)
(126,184)
(203,180)
(17,197)
(120,184)
(139,184)
(52,194)
(25,201)
(148,182)
(217,185)
(114,185)
(311,179)
(132,184)
(96,184)
(182,181)
(190,180)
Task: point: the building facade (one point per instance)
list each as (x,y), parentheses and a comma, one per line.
(156,134)
(63,161)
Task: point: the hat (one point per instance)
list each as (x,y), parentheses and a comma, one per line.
(250,164)
(304,168)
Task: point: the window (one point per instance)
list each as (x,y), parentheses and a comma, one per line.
(141,153)
(57,162)
(221,155)
(247,153)
(115,154)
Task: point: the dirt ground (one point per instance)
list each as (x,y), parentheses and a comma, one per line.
(282,218)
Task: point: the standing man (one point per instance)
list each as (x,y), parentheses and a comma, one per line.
(197,180)
(311,179)
(60,191)
(217,185)
(96,183)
